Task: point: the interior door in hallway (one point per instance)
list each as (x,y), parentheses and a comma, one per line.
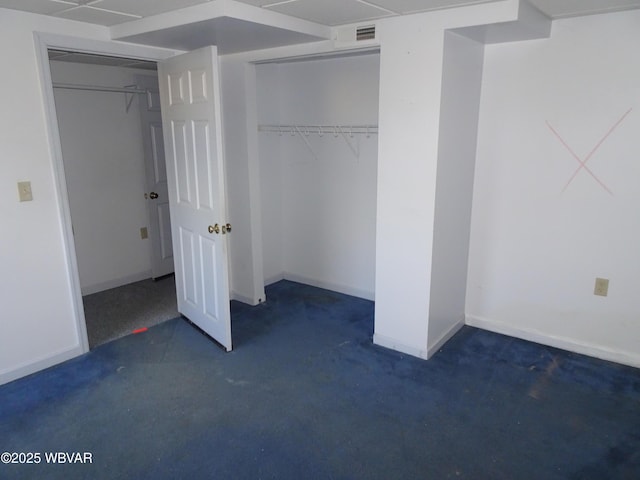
(157,195)
(191,117)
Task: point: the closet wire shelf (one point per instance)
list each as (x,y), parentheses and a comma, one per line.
(321,130)
(347,132)
(127,90)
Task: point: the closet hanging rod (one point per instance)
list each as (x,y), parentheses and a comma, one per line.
(95,88)
(319,129)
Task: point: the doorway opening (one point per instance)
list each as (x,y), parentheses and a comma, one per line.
(317,146)
(109,121)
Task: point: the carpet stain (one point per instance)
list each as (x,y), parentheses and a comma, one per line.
(538,389)
(237,383)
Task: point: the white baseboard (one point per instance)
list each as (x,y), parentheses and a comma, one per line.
(274,279)
(444,338)
(25,369)
(116,282)
(335,287)
(245,299)
(563,343)
(424,354)
(393,344)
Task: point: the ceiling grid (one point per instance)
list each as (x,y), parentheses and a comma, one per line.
(324,12)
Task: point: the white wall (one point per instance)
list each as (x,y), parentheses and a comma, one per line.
(38,326)
(105,174)
(40,333)
(460,105)
(269,102)
(410,83)
(43,323)
(319,215)
(537,247)
(411,72)
(238,93)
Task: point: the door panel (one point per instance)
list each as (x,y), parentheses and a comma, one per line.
(211,303)
(189,90)
(164,221)
(189,267)
(201,142)
(183,182)
(153,98)
(157,152)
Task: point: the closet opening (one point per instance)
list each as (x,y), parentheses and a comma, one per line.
(318,150)
(110,126)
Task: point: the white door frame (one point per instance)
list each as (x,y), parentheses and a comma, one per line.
(44,42)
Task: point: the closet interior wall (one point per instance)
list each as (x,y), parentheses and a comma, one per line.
(319,189)
(104,170)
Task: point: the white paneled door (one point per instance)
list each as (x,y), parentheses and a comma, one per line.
(191,117)
(157,195)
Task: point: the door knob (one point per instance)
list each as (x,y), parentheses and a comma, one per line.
(226,228)
(153,195)
(215,228)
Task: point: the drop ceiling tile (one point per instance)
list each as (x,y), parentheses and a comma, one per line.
(145,8)
(412,6)
(572,8)
(95,15)
(330,12)
(43,7)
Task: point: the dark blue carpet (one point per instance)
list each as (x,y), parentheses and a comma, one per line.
(305,395)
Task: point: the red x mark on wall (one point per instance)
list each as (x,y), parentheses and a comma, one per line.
(583,162)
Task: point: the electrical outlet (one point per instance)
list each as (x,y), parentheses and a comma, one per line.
(144,233)
(24,191)
(602,287)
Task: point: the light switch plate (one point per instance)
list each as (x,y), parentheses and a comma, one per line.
(602,287)
(24,191)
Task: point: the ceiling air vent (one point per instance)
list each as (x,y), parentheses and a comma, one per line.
(366,33)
